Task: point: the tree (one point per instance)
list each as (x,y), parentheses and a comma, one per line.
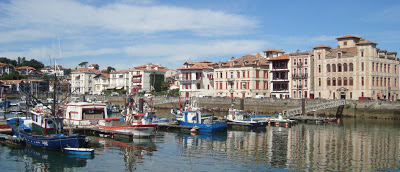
(156,81)
(83,64)
(110,69)
(164,86)
(32,63)
(13,75)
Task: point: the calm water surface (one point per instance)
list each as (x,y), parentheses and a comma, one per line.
(354,145)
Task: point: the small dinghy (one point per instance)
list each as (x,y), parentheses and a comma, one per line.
(79,151)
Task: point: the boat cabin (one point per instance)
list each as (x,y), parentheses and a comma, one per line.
(45,124)
(85,113)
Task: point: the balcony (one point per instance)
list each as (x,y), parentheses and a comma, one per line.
(136,81)
(280,79)
(282,90)
(300,76)
(280,68)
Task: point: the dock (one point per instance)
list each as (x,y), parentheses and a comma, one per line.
(313,120)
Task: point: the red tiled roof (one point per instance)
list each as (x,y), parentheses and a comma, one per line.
(25,67)
(352,51)
(11,82)
(3,64)
(152,67)
(322,46)
(197,65)
(246,60)
(120,71)
(347,36)
(274,50)
(282,57)
(364,41)
(85,70)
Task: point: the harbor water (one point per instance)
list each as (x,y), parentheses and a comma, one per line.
(352,145)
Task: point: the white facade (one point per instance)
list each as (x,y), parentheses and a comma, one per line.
(120,80)
(82,81)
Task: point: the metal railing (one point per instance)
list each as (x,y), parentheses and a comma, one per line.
(313,107)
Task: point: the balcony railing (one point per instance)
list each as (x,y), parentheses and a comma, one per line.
(280,79)
(136,81)
(300,76)
(280,68)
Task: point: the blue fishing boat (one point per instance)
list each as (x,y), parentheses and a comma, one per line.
(193,117)
(43,130)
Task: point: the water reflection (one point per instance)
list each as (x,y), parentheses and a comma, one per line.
(352,146)
(36,159)
(134,152)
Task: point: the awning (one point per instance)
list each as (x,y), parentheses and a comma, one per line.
(118,88)
(379,95)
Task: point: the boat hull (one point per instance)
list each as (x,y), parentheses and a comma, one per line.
(253,124)
(53,141)
(215,127)
(79,151)
(136,130)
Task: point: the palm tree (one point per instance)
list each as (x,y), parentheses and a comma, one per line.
(110,69)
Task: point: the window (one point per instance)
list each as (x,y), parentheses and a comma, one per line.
(319,81)
(351,81)
(362,53)
(198,86)
(345,43)
(384,82)
(381,82)
(362,66)
(362,94)
(339,67)
(319,94)
(373,81)
(231,74)
(305,61)
(220,75)
(333,68)
(319,58)
(294,94)
(351,95)
(244,74)
(384,68)
(328,82)
(362,81)
(244,85)
(300,62)
(388,69)
(351,67)
(333,81)
(299,94)
(381,68)
(388,83)
(373,66)
(328,68)
(305,83)
(294,62)
(305,71)
(294,71)
(345,67)
(376,69)
(319,68)
(345,81)
(339,55)
(257,73)
(339,81)
(238,74)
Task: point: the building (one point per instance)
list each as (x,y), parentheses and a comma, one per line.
(101,82)
(82,80)
(196,79)
(244,77)
(49,70)
(119,80)
(356,68)
(279,68)
(4,68)
(141,77)
(302,76)
(94,66)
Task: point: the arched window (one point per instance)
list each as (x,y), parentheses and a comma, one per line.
(339,67)
(345,67)
(345,81)
(333,81)
(351,67)
(339,81)
(328,68)
(333,68)
(328,82)
(351,81)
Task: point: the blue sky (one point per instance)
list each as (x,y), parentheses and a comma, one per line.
(124,34)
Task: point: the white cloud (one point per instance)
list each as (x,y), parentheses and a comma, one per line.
(120,17)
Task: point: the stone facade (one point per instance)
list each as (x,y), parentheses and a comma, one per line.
(243,77)
(356,68)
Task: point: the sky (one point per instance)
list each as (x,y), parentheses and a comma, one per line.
(128,33)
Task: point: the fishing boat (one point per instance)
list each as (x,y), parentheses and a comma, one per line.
(192,116)
(240,117)
(137,122)
(85,113)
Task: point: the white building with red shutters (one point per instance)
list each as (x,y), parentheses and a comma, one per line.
(196,79)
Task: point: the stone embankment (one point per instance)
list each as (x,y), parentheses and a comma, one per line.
(353,108)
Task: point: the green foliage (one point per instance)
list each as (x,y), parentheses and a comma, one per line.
(32,63)
(164,86)
(83,64)
(174,92)
(156,80)
(110,69)
(348,106)
(8,61)
(14,75)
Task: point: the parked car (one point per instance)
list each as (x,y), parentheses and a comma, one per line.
(260,97)
(114,94)
(147,95)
